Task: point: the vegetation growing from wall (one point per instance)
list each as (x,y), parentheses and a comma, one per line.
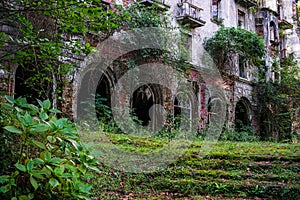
(47,39)
(279,102)
(227,43)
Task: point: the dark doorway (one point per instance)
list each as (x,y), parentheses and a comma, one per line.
(182,110)
(25,89)
(94,96)
(142,101)
(103,99)
(242,121)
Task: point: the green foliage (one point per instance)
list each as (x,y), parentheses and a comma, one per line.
(47,158)
(228,42)
(243,136)
(279,102)
(140,16)
(49,38)
(233,170)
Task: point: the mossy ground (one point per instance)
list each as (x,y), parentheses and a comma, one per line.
(231,170)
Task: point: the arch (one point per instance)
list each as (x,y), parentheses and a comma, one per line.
(182,107)
(214,106)
(142,101)
(94,95)
(273,32)
(103,99)
(243,110)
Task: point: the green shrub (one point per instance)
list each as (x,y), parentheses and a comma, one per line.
(43,155)
(243,136)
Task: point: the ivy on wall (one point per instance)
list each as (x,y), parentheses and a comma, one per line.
(229,42)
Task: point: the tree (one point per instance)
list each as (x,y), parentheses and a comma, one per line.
(48,38)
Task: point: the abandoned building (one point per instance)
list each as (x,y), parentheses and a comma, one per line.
(268,18)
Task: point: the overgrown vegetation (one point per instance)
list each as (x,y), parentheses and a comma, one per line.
(228,43)
(232,170)
(42,157)
(279,102)
(47,39)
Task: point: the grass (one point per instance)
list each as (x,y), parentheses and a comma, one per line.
(231,170)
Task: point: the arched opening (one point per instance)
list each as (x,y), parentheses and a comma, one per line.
(103,99)
(142,101)
(273,33)
(182,110)
(85,96)
(147,106)
(242,113)
(94,97)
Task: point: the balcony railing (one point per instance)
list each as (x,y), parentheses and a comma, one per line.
(159,3)
(284,24)
(190,14)
(247,3)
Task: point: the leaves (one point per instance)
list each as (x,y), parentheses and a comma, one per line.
(13,129)
(20,167)
(229,41)
(39,128)
(30,165)
(53,182)
(39,144)
(34,183)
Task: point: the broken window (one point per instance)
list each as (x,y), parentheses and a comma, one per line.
(241,20)
(216,9)
(182,109)
(242,68)
(186,48)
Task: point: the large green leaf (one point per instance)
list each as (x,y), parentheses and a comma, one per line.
(44,115)
(39,128)
(34,183)
(38,161)
(46,104)
(39,144)
(5,188)
(7,106)
(29,165)
(13,129)
(24,197)
(58,171)
(4,179)
(20,167)
(53,182)
(10,99)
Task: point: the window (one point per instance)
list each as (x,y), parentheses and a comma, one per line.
(182,109)
(241,19)
(216,9)
(186,48)
(274,44)
(242,68)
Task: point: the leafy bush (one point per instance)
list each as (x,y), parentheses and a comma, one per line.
(43,155)
(243,136)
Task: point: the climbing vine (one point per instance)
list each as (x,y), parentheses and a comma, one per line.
(227,43)
(280,101)
(48,38)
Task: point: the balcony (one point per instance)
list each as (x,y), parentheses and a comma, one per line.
(160,4)
(189,14)
(247,3)
(284,24)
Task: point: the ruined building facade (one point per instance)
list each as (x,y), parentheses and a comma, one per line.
(274,20)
